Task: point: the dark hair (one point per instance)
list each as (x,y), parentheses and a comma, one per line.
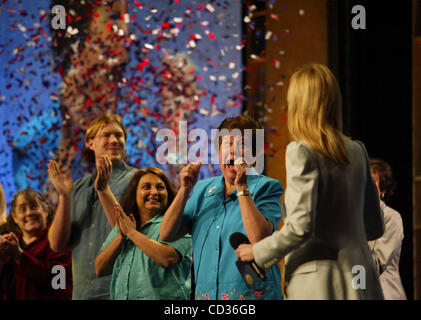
(387,184)
(94,127)
(30,195)
(128,203)
(240,122)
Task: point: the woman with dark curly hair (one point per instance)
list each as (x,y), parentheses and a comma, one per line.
(386,250)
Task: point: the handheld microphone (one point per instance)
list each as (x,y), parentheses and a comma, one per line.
(250,271)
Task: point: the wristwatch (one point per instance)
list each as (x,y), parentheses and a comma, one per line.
(245,192)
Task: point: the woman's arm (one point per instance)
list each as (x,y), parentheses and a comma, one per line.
(104,262)
(256,225)
(162,254)
(60,230)
(172,227)
(300,203)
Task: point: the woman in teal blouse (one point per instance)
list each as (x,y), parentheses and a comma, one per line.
(142,266)
(221,206)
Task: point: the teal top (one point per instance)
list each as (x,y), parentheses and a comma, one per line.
(137,277)
(212,219)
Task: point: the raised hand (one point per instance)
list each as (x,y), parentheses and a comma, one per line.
(62,182)
(240,167)
(189,175)
(125,224)
(104,170)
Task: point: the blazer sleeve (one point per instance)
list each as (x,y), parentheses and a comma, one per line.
(300,205)
(373,214)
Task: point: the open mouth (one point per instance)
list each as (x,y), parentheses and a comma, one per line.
(230,164)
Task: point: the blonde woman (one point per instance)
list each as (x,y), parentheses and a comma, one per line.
(331,201)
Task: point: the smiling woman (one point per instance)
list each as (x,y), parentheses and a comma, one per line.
(26,259)
(157,270)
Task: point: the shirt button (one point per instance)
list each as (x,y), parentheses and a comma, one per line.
(217,227)
(91,244)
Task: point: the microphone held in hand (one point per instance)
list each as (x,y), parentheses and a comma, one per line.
(250,271)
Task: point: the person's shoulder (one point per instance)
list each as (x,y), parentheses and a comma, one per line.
(391,214)
(265,183)
(82,182)
(130,170)
(300,150)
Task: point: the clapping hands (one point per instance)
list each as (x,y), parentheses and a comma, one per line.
(104,171)
(124,223)
(62,182)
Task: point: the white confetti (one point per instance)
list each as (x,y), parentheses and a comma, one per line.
(210,7)
(126,18)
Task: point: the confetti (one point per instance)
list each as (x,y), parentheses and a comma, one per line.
(144,100)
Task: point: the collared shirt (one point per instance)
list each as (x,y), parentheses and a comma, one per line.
(32,277)
(213,219)
(137,277)
(90,227)
(386,252)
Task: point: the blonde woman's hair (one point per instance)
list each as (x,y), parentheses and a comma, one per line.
(315,111)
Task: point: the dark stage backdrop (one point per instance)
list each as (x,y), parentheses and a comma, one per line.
(374,70)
